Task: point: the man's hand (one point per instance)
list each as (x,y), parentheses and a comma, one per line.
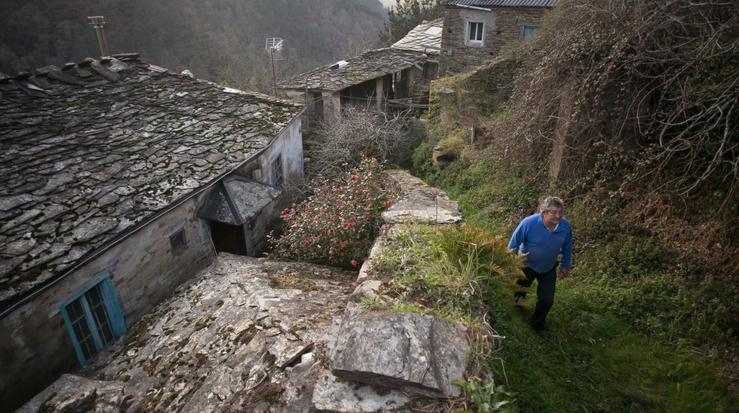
(564,272)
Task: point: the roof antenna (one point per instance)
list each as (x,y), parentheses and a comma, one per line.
(274,46)
(98,22)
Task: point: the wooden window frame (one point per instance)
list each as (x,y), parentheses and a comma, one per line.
(113,311)
(523,27)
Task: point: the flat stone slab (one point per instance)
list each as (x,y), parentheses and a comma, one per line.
(241,336)
(336,395)
(419,202)
(72,393)
(413,352)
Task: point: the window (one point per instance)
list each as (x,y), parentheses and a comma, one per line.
(277,178)
(475,32)
(93,319)
(178,241)
(527,31)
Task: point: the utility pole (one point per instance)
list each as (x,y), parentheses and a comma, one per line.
(98,22)
(274,75)
(274,46)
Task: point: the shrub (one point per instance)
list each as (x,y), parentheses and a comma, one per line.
(339,222)
(451,270)
(359,133)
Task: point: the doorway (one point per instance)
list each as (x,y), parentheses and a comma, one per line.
(228,238)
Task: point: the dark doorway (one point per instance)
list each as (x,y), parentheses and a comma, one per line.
(317,99)
(228,238)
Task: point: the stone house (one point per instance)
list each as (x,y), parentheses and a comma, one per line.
(383,79)
(475,30)
(120,181)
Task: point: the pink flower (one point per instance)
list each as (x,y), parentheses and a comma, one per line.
(355,263)
(349,225)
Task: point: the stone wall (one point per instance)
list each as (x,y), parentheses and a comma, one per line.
(289,145)
(35,347)
(460,99)
(502,25)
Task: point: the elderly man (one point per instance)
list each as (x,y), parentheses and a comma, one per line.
(543,236)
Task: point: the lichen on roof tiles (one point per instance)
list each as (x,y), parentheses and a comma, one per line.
(93,149)
(426,37)
(503,3)
(367,66)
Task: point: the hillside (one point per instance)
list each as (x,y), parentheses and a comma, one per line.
(629,113)
(218,40)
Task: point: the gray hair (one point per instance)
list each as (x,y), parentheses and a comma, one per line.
(551,202)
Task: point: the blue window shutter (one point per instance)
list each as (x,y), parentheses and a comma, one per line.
(114,308)
(70,331)
(91,323)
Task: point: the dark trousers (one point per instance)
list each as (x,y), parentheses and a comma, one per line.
(544,293)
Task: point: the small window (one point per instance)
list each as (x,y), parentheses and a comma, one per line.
(93,320)
(256,175)
(475,32)
(178,241)
(278,177)
(528,31)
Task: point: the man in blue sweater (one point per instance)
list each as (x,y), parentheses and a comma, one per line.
(543,236)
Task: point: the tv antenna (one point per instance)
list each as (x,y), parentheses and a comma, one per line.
(274,46)
(98,22)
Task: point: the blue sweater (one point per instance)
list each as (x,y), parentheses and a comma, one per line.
(543,246)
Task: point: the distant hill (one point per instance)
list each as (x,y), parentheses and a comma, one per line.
(219,40)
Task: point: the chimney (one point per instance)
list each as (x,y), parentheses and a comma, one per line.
(98,22)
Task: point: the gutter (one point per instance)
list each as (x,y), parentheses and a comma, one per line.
(464,6)
(132,230)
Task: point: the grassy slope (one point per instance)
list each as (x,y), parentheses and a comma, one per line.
(628,333)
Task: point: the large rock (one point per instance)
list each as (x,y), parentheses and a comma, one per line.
(420,203)
(416,353)
(72,393)
(336,395)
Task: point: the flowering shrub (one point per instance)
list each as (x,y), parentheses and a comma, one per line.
(339,222)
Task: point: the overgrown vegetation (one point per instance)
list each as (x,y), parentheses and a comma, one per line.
(454,273)
(450,272)
(359,133)
(339,222)
(643,96)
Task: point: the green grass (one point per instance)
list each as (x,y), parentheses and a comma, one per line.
(634,329)
(595,362)
(610,347)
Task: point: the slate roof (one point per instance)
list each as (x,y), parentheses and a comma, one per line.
(503,3)
(237,200)
(426,37)
(92,151)
(367,66)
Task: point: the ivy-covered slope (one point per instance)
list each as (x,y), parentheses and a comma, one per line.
(650,187)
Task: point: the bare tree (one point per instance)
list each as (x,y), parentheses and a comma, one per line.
(358,133)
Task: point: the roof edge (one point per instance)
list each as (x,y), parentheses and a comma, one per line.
(29,295)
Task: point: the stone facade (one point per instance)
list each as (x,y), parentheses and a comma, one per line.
(36,347)
(258,335)
(117,157)
(501,25)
